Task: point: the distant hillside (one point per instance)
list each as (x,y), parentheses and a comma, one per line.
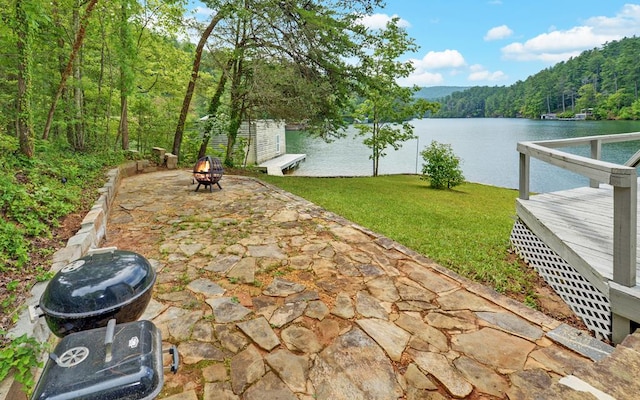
(438,92)
(602,83)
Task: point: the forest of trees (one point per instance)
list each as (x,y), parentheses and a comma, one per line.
(123,75)
(603,81)
(94,73)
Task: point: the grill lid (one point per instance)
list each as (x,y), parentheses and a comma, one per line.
(103,280)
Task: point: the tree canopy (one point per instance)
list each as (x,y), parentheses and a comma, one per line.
(121,74)
(602,82)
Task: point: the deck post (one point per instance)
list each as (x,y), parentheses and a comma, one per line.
(525,161)
(625,233)
(596,154)
(620,328)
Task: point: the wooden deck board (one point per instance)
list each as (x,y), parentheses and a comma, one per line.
(577,222)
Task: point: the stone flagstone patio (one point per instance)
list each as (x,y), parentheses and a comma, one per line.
(268,296)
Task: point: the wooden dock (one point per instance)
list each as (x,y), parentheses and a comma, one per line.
(281,164)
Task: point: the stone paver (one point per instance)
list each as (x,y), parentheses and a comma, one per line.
(269,296)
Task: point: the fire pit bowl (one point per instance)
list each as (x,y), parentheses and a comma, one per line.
(106,284)
(208,171)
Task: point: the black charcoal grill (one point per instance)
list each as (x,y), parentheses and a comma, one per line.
(116,362)
(87,293)
(208,172)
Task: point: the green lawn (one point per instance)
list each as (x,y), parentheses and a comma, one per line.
(465,229)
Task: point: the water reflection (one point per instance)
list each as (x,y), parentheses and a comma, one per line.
(487,148)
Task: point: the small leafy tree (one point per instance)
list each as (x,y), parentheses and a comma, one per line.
(387,107)
(442,166)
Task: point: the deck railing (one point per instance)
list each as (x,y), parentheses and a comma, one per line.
(624,294)
(623,178)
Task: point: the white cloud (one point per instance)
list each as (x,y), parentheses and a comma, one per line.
(479,73)
(625,23)
(202,12)
(379,21)
(560,45)
(498,32)
(422,79)
(426,69)
(439,59)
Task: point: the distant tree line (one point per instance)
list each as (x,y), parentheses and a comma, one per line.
(602,82)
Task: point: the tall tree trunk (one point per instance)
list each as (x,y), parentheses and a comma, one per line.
(237,110)
(78,118)
(67,71)
(125,71)
(203,146)
(177,139)
(123,127)
(23,122)
(214,104)
(57,20)
(232,133)
(100,103)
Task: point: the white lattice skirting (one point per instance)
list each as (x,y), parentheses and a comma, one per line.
(583,298)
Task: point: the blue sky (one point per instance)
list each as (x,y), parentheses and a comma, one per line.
(498,42)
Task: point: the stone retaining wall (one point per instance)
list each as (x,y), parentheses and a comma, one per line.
(93,230)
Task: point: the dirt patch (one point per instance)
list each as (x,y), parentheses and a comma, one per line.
(16,284)
(545,298)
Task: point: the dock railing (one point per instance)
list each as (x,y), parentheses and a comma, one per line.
(623,179)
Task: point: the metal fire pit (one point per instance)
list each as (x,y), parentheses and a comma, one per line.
(88,292)
(208,171)
(116,362)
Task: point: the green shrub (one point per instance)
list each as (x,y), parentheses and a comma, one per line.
(35,193)
(21,356)
(442,166)
(14,249)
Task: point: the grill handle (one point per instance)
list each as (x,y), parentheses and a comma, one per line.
(175,358)
(34,313)
(102,250)
(108,340)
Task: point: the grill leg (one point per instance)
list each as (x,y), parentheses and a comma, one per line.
(198,187)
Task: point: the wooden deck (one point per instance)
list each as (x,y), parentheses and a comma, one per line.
(578,225)
(593,230)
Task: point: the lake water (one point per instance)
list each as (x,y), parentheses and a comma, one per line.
(486,146)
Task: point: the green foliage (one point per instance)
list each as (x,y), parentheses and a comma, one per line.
(387,106)
(36,192)
(20,355)
(466,229)
(14,250)
(441,167)
(155,69)
(602,80)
